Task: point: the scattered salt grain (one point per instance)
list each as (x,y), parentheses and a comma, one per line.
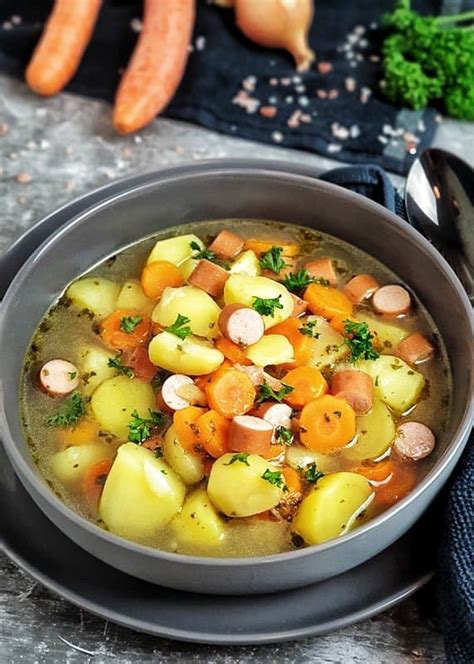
(421,125)
(249,83)
(350,84)
(374,58)
(31,145)
(303,101)
(272,100)
(339,131)
(363,43)
(294,120)
(353,64)
(200,43)
(41,112)
(300,89)
(322,94)
(138,139)
(333,94)
(7,25)
(289,99)
(296,79)
(359,30)
(332,148)
(44,144)
(136,24)
(382,139)
(306,117)
(13,156)
(354,131)
(365,95)
(23,178)
(16,20)
(324,67)
(268,111)
(277,137)
(273,81)
(4,128)
(245,101)
(285,81)
(373,25)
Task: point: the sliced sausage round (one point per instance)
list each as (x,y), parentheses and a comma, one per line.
(415,348)
(59,377)
(250,434)
(391,300)
(414,440)
(277,414)
(323,268)
(300,306)
(356,387)
(227,245)
(169,392)
(361,287)
(209,277)
(242,325)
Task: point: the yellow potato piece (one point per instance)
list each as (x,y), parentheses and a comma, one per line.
(188,466)
(198,523)
(299,458)
(237,488)
(247,263)
(174,249)
(396,383)
(332,507)
(329,348)
(242,289)
(69,465)
(375,434)
(131,296)
(187,267)
(193,303)
(271,349)
(141,493)
(191,356)
(115,399)
(94,369)
(95,294)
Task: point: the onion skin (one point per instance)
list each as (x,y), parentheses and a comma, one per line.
(278,24)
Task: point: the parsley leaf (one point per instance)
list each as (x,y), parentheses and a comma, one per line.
(240,457)
(267,306)
(283,435)
(116,363)
(298,281)
(265,392)
(140,428)
(308,329)
(312,474)
(272,260)
(69,413)
(178,327)
(275,477)
(202,253)
(129,323)
(72,374)
(358,337)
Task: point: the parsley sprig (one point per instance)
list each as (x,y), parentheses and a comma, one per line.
(308,329)
(296,282)
(129,323)
(272,260)
(140,428)
(179,328)
(267,306)
(283,436)
(275,477)
(358,337)
(312,474)
(202,253)
(69,413)
(117,364)
(241,457)
(266,392)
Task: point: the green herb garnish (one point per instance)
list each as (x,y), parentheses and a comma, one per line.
(308,329)
(267,306)
(312,474)
(178,327)
(117,364)
(72,374)
(295,282)
(140,428)
(158,453)
(284,436)
(129,323)
(266,392)
(69,413)
(358,337)
(202,253)
(241,457)
(275,477)
(272,260)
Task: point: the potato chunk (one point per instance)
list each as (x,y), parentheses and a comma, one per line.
(190,356)
(396,383)
(188,466)
(299,458)
(70,464)
(271,349)
(332,507)
(141,493)
(131,296)
(247,263)
(193,303)
(198,523)
(242,289)
(174,249)
(328,347)
(94,368)
(115,399)
(95,294)
(375,434)
(237,488)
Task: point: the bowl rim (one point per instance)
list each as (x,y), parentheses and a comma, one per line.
(205,169)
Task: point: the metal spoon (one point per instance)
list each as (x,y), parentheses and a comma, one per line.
(439,198)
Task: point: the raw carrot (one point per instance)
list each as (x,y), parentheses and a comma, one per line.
(157,64)
(327,424)
(185,424)
(213,433)
(308,383)
(63,42)
(377,472)
(403,481)
(233,352)
(262,246)
(112,329)
(328,301)
(86,431)
(292,480)
(159,275)
(302,343)
(138,360)
(94,480)
(230,392)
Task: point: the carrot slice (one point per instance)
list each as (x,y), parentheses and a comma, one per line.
(302,343)
(94,480)
(377,472)
(308,383)
(113,333)
(230,392)
(157,64)
(262,246)
(403,481)
(86,431)
(292,480)
(327,301)
(327,424)
(233,352)
(138,360)
(185,424)
(62,44)
(213,433)
(159,275)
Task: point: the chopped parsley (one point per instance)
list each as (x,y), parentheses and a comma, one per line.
(178,328)
(308,329)
(283,435)
(312,474)
(72,374)
(272,260)
(129,323)
(202,253)
(275,477)
(158,453)
(358,337)
(140,428)
(241,457)
(116,363)
(296,282)
(266,392)
(267,306)
(69,413)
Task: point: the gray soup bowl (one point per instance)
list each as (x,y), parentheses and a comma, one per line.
(227,189)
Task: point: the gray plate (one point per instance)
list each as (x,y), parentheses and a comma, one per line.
(39,548)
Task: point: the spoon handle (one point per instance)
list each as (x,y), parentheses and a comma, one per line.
(461,267)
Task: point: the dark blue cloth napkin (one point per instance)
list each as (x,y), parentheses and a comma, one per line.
(455,569)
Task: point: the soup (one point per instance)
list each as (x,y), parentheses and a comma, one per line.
(235,388)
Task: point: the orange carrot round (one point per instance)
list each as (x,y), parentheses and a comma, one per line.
(230,392)
(231,351)
(157,64)
(213,433)
(94,480)
(113,329)
(262,246)
(403,481)
(159,275)
(302,343)
(292,480)
(63,42)
(327,424)
(377,472)
(308,383)
(185,425)
(327,301)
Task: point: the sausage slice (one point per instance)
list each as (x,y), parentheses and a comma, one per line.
(355,387)
(169,392)
(361,287)
(242,325)
(414,440)
(59,377)
(323,268)
(227,245)
(250,434)
(209,277)
(415,348)
(300,306)
(391,300)
(278,414)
